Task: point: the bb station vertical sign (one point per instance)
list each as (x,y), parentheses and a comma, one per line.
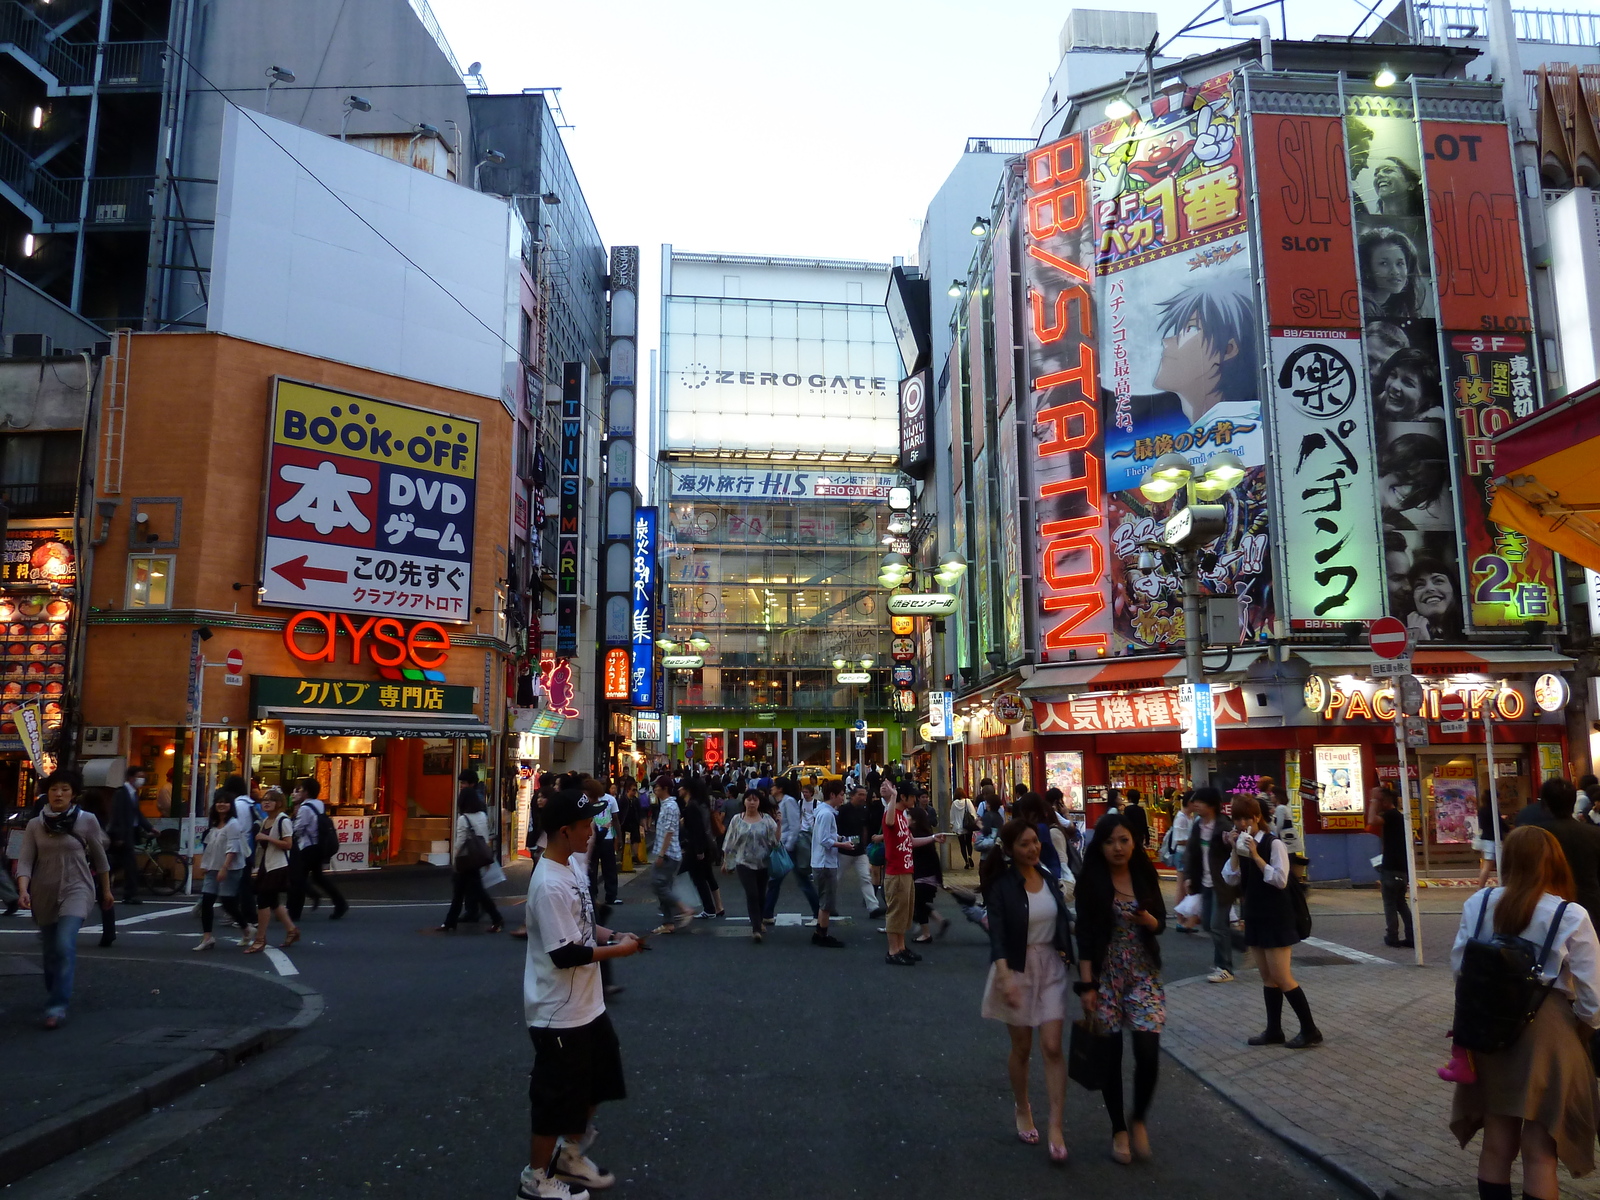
(569,546)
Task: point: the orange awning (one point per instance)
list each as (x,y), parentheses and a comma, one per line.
(1547,477)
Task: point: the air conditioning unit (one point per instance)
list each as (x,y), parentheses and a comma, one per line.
(32,345)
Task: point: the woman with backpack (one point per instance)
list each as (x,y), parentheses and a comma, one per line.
(273,841)
(1537,1096)
(1259,867)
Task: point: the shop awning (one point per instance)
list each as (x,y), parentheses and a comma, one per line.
(1546,483)
(313,725)
(1505,660)
(1059,681)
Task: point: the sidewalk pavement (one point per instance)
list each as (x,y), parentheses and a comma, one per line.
(140,1033)
(1367,1104)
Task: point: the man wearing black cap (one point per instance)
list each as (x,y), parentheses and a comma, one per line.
(577,1062)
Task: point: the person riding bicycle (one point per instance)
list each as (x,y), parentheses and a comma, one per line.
(126,824)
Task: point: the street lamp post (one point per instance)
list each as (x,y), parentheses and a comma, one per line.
(1198,522)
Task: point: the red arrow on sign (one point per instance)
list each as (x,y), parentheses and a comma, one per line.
(1387,637)
(297,572)
(235,661)
(1452,708)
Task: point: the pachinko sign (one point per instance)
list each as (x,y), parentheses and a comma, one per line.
(1074,612)
(370,506)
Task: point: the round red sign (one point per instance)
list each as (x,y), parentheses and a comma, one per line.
(1387,637)
(235,661)
(1452,708)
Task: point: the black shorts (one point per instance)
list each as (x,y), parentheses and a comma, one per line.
(573,1070)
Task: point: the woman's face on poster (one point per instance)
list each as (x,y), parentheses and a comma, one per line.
(1388,269)
(1390,182)
(1404,394)
(1433,594)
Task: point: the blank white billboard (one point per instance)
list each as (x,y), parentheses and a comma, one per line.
(293,267)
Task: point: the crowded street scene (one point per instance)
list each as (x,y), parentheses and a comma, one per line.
(1011,602)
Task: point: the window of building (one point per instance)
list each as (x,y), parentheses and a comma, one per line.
(150,581)
(38,472)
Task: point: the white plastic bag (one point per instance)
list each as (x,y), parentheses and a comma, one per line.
(1190,907)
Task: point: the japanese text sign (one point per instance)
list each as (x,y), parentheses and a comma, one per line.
(642,627)
(370,506)
(360,695)
(1324,464)
(1156,708)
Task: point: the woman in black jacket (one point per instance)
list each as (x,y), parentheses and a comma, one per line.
(1120,913)
(699,843)
(1030,942)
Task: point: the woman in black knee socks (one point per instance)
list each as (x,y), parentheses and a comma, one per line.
(1120,913)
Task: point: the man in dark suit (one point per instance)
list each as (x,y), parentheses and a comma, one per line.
(1579,840)
(127,822)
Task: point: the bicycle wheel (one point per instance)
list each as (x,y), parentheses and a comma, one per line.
(166,873)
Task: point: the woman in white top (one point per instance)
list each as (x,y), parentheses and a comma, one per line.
(223,864)
(273,840)
(1537,1097)
(466,883)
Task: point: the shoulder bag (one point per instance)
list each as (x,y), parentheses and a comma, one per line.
(1086,1054)
(473,853)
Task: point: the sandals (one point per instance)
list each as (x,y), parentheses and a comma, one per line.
(664,929)
(1028,1137)
(1058,1155)
(291,937)
(256,947)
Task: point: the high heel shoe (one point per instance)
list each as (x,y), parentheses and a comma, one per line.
(291,937)
(1028,1137)
(206,943)
(1058,1155)
(256,947)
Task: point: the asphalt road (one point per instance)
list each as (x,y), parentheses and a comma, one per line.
(778,1070)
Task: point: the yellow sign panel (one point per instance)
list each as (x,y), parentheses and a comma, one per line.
(902,626)
(319,419)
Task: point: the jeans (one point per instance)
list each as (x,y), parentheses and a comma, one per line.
(605,852)
(855,866)
(60,942)
(1396,903)
(755,893)
(1214,916)
(306,871)
(466,886)
(663,872)
(802,876)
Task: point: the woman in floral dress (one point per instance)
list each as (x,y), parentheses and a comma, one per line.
(1120,913)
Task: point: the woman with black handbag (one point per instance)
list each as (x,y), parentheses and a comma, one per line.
(1030,942)
(1537,1096)
(472,855)
(1120,913)
(1259,867)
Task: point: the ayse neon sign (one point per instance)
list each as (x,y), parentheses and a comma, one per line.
(1074,612)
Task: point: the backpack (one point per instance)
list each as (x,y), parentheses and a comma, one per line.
(327,837)
(1500,986)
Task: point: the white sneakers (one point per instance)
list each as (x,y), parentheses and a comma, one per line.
(536,1185)
(1220,975)
(575,1168)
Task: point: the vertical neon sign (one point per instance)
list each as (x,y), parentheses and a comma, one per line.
(1069,464)
(642,629)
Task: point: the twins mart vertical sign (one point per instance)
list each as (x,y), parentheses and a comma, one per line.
(569,544)
(370,506)
(642,628)
(1323,457)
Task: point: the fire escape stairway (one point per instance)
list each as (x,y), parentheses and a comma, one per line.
(49,201)
(66,68)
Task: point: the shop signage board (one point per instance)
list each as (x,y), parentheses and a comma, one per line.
(616,674)
(747,485)
(1063,380)
(647,726)
(359,695)
(1551,693)
(922,604)
(1156,708)
(1348,699)
(941,716)
(1198,722)
(642,627)
(38,556)
(1324,460)
(369,506)
(853,677)
(569,506)
(1338,770)
(355,838)
(916,434)
(675,730)
(1306,242)
(681,662)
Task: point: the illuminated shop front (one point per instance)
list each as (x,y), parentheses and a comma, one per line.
(38,632)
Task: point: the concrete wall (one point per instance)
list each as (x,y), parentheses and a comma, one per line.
(196,429)
(753,278)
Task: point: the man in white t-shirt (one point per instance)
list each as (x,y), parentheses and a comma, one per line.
(605,830)
(577,1062)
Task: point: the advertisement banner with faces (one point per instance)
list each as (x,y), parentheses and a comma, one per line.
(1174,267)
(1416,499)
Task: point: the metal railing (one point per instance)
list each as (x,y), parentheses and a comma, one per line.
(72,63)
(38,499)
(1463,21)
(121,199)
(54,199)
(134,65)
(999,145)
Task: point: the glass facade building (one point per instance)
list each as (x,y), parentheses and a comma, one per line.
(778,428)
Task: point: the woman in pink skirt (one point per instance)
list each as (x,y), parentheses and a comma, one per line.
(1030,942)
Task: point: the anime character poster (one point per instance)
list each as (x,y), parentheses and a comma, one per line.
(1400,338)
(1180,364)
